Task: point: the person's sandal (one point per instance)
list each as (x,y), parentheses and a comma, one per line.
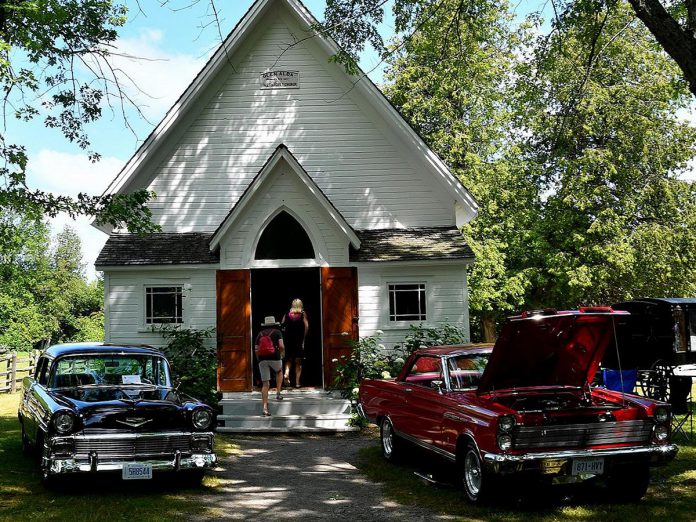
(279,397)
(266,413)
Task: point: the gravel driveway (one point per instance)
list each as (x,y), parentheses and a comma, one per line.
(312,477)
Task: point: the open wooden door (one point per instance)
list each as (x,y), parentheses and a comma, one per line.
(234,330)
(340,315)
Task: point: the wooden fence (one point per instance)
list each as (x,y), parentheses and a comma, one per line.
(14,368)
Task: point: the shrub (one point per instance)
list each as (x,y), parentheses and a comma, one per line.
(194,364)
(424,337)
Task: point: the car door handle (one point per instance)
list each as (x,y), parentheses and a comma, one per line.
(408,390)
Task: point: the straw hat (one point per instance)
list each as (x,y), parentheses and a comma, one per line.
(269,320)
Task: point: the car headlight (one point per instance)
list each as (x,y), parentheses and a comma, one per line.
(504,442)
(506,423)
(661,414)
(63,422)
(201,418)
(661,433)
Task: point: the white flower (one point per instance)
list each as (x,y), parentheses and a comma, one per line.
(381,347)
(422,346)
(399,360)
(334,360)
(386,375)
(355,391)
(379,332)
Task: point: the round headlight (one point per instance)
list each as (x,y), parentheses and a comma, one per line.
(506,423)
(661,414)
(661,433)
(63,422)
(201,418)
(504,442)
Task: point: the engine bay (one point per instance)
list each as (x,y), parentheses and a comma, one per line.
(545,403)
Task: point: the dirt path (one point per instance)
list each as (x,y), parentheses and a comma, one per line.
(308,477)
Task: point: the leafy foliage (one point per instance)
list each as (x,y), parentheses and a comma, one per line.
(54,65)
(423,336)
(44,296)
(193,362)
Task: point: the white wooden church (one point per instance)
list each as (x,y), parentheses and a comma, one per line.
(280,176)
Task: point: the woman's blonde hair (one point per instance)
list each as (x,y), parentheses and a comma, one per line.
(296,305)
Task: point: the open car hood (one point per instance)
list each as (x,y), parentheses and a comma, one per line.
(562,349)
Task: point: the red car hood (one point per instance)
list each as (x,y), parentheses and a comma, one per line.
(563,349)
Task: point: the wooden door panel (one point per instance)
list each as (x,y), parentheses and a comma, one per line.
(340,315)
(234,330)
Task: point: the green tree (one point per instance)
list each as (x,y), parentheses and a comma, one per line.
(600,104)
(42,45)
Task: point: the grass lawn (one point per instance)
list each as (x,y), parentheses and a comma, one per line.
(22,497)
(671,496)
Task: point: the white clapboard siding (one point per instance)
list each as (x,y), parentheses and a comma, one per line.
(282,189)
(125,312)
(446,297)
(356,160)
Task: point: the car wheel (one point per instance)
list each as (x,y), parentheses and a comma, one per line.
(391,443)
(628,483)
(475,480)
(27,448)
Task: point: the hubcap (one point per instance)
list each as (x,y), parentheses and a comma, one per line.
(387,438)
(472,473)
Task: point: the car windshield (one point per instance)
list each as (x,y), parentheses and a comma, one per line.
(109,370)
(465,370)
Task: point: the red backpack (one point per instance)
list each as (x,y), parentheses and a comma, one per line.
(266,347)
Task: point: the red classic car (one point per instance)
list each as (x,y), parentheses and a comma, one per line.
(524,408)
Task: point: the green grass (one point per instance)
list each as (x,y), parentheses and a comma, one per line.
(671,496)
(22,497)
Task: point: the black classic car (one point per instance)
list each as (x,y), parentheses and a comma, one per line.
(93,407)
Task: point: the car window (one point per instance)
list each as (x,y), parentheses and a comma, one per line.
(109,369)
(40,374)
(465,370)
(424,370)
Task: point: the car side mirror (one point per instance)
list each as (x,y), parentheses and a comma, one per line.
(438,385)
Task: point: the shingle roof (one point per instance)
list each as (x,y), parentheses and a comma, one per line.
(157,249)
(411,244)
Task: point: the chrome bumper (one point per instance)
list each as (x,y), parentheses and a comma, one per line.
(57,461)
(652,455)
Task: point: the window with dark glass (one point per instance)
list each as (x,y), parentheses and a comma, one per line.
(407,302)
(163,304)
(284,238)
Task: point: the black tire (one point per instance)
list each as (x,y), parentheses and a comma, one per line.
(476,483)
(390,441)
(628,483)
(27,448)
(192,479)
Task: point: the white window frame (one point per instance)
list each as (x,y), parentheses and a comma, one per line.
(158,283)
(422,298)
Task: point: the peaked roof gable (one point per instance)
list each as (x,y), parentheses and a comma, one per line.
(221,58)
(282,152)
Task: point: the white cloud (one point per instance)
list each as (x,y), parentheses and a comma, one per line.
(69,174)
(153,77)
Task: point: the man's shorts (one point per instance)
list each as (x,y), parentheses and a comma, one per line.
(266,366)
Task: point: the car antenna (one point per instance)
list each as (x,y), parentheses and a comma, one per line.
(618,360)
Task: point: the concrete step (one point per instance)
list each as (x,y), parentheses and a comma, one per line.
(290,405)
(283,424)
(303,410)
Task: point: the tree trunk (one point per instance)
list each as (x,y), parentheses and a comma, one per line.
(488,328)
(679,42)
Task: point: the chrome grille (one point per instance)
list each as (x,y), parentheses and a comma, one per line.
(134,445)
(582,435)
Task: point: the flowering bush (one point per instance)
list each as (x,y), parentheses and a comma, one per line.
(424,337)
(369,359)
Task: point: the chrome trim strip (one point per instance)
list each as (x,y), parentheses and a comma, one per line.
(126,436)
(667,451)
(425,445)
(195,461)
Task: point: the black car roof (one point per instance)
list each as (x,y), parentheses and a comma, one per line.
(58,350)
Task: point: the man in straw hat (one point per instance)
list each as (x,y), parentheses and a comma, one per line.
(268,348)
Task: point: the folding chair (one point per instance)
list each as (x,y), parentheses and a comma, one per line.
(620,380)
(683,422)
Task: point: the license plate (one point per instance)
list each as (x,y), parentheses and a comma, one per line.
(590,466)
(135,471)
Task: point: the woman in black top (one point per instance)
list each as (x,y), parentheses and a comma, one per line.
(295,326)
